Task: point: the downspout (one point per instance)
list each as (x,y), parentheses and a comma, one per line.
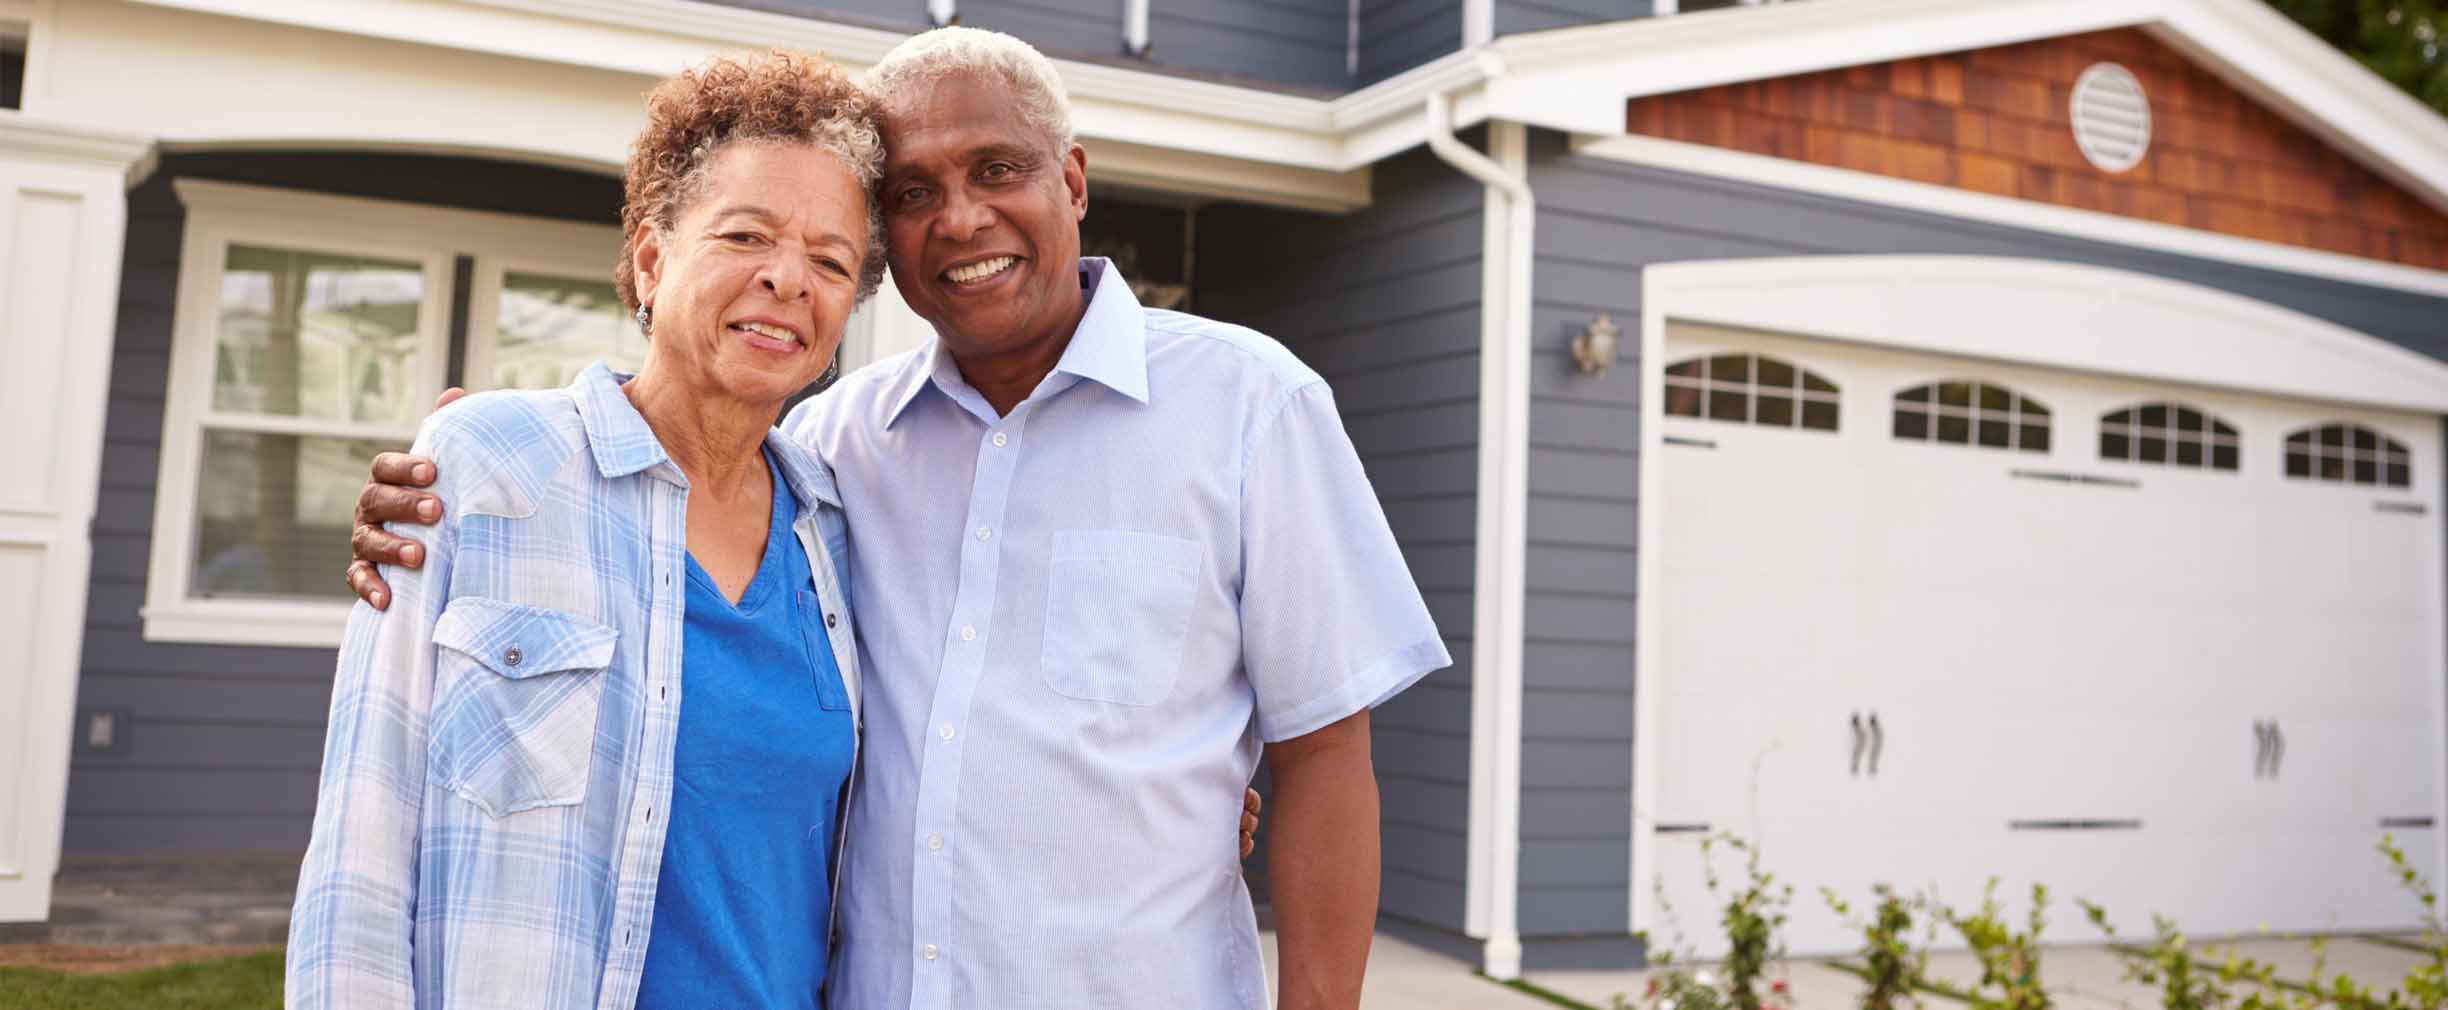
(1504,446)
(1134,27)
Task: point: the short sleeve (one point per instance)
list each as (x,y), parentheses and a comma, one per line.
(1331,621)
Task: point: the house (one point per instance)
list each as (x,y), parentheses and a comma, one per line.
(1935,439)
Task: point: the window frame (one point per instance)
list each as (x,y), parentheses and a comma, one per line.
(1932,411)
(2172,433)
(219,215)
(1800,393)
(2386,445)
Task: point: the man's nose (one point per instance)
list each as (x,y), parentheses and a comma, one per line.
(965,216)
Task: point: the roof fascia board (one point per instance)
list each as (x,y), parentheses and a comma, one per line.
(1950,202)
(1577,79)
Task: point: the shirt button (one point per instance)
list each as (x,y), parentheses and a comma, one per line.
(945,732)
(968,634)
(832,620)
(1001,439)
(513,656)
(985,534)
(927,952)
(934,843)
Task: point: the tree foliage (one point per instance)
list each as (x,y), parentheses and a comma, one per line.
(2401,40)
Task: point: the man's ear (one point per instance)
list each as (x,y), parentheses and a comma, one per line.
(1075,177)
(646,265)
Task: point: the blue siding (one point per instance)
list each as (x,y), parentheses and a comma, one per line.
(1396,35)
(1283,42)
(1514,17)
(1385,303)
(1599,223)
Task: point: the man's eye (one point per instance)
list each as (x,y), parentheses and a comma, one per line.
(1000,169)
(740,237)
(911,194)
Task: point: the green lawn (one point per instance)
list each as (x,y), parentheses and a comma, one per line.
(251,982)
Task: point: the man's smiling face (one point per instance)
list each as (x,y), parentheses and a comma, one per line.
(982,214)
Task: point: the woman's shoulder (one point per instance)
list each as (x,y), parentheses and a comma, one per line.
(504,444)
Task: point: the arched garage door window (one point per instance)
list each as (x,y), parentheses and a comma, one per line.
(1972,413)
(2348,454)
(2168,434)
(1750,389)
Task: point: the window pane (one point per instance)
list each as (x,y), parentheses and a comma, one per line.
(2366,472)
(1819,415)
(1776,410)
(2224,429)
(2366,439)
(2031,408)
(1730,368)
(2120,417)
(272,519)
(1917,394)
(1912,424)
(1955,394)
(2035,438)
(1687,369)
(2154,450)
(552,328)
(1996,433)
(2188,453)
(1682,401)
(2155,415)
(2223,457)
(2188,419)
(2115,447)
(1725,406)
(2399,475)
(1955,429)
(2299,464)
(1996,398)
(318,336)
(1811,381)
(1775,374)
(2334,434)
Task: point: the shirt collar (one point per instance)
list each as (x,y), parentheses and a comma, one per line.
(1109,347)
(618,435)
(624,444)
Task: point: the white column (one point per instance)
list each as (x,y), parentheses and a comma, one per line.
(63,220)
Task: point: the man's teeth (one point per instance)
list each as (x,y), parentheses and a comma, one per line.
(980,270)
(775,332)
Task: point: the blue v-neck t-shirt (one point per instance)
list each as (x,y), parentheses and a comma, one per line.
(743,901)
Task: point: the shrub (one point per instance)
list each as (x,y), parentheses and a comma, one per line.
(2010,961)
(1891,964)
(1751,917)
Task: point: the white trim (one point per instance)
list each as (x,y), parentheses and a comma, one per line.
(219,214)
(1951,202)
(1169,170)
(32,138)
(1478,23)
(2057,315)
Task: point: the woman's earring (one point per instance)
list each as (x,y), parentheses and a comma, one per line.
(832,374)
(645,321)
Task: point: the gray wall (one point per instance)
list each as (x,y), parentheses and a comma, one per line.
(223,743)
(1599,223)
(1396,35)
(1385,304)
(1302,43)
(1514,17)
(902,15)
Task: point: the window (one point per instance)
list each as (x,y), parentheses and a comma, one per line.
(2348,454)
(312,332)
(2170,435)
(1972,413)
(1750,389)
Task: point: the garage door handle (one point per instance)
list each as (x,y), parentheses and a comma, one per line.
(2277,748)
(2261,748)
(1860,742)
(1878,743)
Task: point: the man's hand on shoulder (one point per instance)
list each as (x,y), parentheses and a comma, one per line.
(391,496)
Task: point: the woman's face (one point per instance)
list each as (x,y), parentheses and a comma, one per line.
(751,286)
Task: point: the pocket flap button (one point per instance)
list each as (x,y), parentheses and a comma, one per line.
(512,657)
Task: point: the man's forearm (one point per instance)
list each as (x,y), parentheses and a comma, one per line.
(1322,864)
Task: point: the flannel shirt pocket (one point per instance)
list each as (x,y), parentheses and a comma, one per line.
(517,689)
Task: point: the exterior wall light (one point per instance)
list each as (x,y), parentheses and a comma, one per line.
(1594,349)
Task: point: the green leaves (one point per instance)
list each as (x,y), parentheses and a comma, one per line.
(2403,41)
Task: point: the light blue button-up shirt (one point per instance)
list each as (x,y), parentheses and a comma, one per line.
(489,829)
(1094,609)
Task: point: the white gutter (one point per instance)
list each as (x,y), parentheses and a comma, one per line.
(1504,480)
(1134,27)
(942,12)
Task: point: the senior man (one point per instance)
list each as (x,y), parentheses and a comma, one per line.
(1101,554)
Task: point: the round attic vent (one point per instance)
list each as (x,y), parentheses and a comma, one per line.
(2111,117)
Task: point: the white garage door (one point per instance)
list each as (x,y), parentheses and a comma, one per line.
(1928,620)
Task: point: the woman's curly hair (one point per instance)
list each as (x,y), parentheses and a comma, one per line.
(780,97)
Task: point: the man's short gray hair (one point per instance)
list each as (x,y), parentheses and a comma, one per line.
(1018,66)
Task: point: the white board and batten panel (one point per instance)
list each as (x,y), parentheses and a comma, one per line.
(2185,690)
(62,220)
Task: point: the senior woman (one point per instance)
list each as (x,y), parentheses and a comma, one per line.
(517,809)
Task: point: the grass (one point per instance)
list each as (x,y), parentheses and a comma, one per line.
(249,982)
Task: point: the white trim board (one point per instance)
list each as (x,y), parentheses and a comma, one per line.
(1847,184)
(2058,315)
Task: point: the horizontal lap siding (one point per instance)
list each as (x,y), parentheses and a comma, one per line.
(1599,224)
(1384,303)
(905,15)
(1275,41)
(1396,35)
(222,744)
(1514,17)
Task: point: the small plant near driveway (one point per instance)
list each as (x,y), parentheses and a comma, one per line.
(1752,917)
(1892,966)
(2010,961)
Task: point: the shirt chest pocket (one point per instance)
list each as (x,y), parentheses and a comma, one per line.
(1118,606)
(517,690)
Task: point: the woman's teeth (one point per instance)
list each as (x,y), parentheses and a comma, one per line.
(772,332)
(980,270)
